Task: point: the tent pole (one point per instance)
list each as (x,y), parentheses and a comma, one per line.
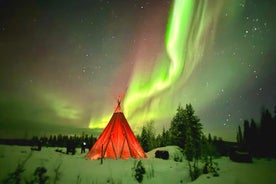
(102,155)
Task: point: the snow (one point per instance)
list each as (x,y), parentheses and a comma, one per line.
(77,169)
(260,171)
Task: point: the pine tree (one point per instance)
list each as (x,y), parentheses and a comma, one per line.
(239,136)
(144,139)
(159,141)
(209,138)
(254,142)
(151,135)
(266,132)
(147,138)
(274,134)
(178,128)
(205,148)
(246,134)
(193,136)
(163,141)
(189,148)
(196,131)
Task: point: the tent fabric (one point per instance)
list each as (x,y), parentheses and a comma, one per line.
(117,140)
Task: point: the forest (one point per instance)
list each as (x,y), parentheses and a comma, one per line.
(259,138)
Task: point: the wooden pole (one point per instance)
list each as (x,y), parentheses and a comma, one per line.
(102,155)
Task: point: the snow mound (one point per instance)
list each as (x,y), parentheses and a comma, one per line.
(175,153)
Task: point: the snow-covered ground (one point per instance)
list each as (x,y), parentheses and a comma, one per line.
(77,169)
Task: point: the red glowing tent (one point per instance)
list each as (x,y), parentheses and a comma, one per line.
(117,140)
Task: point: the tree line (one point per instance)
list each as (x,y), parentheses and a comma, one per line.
(258,138)
(52,140)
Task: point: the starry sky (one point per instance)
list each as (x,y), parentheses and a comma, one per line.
(64,63)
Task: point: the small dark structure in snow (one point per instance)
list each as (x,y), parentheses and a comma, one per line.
(238,156)
(162,154)
(71,147)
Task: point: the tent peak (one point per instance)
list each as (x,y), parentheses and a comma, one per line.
(118,107)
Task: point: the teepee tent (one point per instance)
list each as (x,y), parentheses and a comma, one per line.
(117,140)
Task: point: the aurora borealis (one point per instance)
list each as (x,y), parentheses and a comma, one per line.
(63,63)
(186,38)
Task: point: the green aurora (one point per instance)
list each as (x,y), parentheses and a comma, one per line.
(190,30)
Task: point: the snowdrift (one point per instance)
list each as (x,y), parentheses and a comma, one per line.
(175,153)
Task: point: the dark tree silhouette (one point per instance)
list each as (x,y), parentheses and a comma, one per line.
(266,132)
(144,139)
(253,139)
(187,131)
(239,136)
(246,134)
(178,128)
(147,138)
(259,140)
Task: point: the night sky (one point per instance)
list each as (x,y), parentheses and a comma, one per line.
(63,63)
